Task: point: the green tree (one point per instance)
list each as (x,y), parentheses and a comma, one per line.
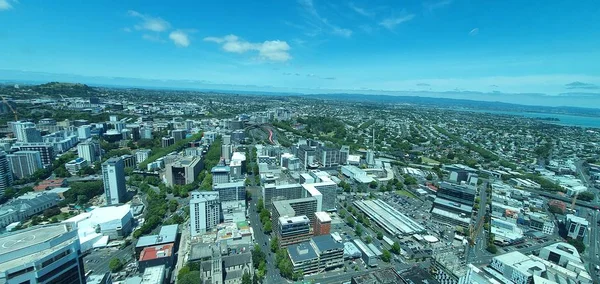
(193,277)
(373,184)
(246,278)
(379,235)
(358,230)
(586,196)
(260,205)
(173,206)
(368,240)
(492,249)
(274,244)
(396,248)
(115,265)
(268,227)
(350,221)
(386,256)
(578,244)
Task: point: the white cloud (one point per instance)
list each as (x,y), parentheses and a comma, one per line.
(5,5)
(180,38)
(272,50)
(318,24)
(391,23)
(149,23)
(360,11)
(436,5)
(474,32)
(151,37)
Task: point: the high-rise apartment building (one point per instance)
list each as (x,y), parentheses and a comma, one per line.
(167,141)
(88,151)
(205,212)
(178,134)
(46,151)
(113,175)
(84,132)
(26,132)
(6,175)
(24,163)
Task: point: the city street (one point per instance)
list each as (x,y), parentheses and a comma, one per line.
(593,248)
(97,261)
(261,239)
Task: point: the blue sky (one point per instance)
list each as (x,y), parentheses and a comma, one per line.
(441,46)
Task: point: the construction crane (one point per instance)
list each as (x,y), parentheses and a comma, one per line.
(474,230)
(572,207)
(11,108)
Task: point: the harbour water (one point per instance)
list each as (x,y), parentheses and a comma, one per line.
(564,119)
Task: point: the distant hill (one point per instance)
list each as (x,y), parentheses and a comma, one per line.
(56,89)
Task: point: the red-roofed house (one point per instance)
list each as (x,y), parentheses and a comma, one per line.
(156,255)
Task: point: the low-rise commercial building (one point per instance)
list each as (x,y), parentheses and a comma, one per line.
(357,174)
(389,218)
(26,206)
(183,171)
(368,256)
(102,224)
(292,230)
(156,255)
(576,226)
(322,224)
(167,234)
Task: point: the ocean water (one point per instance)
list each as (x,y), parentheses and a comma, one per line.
(565,119)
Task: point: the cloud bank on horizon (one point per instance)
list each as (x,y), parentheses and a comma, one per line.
(433,47)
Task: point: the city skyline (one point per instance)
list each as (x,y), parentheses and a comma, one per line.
(507,51)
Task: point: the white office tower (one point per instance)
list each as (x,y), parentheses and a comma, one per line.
(113,175)
(205,211)
(41,254)
(24,163)
(226,151)
(113,118)
(84,132)
(19,131)
(6,176)
(226,139)
(189,124)
(142,154)
(87,151)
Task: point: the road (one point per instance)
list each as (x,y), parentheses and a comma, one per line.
(262,239)
(593,248)
(98,260)
(184,249)
(486,259)
(479,249)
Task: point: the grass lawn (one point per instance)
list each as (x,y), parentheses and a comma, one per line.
(429,161)
(405,193)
